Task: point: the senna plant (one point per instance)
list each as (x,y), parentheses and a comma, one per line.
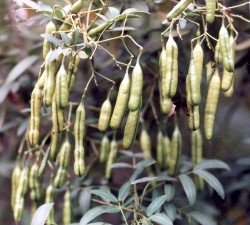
(163,185)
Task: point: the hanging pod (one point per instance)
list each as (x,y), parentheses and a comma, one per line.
(55,139)
(198,60)
(159,149)
(230,91)
(178,9)
(72,69)
(227,79)
(105,115)
(218,54)
(14,183)
(104,149)
(210,10)
(67,208)
(60,177)
(49,198)
(121,102)
(34,183)
(145,143)
(49,29)
(211,104)
(111,158)
(57,116)
(76,7)
(64,153)
(166,150)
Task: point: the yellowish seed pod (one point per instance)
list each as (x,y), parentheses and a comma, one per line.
(175,152)
(104,150)
(105,115)
(121,102)
(171,81)
(35,108)
(178,9)
(49,198)
(198,59)
(218,54)
(163,71)
(14,183)
(57,116)
(49,29)
(67,24)
(166,105)
(62,91)
(227,79)
(111,158)
(230,91)
(209,71)
(210,10)
(64,153)
(34,183)
(159,149)
(226,51)
(72,70)
(18,210)
(211,104)
(60,177)
(131,128)
(76,7)
(55,139)
(166,150)
(145,143)
(67,208)
(41,80)
(136,87)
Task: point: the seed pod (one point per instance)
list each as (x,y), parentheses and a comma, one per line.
(136,87)
(64,153)
(79,132)
(209,71)
(227,79)
(111,158)
(49,29)
(49,87)
(41,80)
(166,150)
(67,24)
(230,91)
(35,108)
(131,128)
(100,28)
(72,70)
(34,183)
(163,71)
(105,148)
(49,198)
(198,60)
(67,208)
(211,104)
(226,51)
(159,149)
(193,84)
(76,7)
(105,115)
(57,116)
(178,9)
(55,139)
(210,10)
(121,102)
(62,91)
(60,177)
(218,54)
(175,152)
(14,183)
(145,143)
(171,81)
(166,105)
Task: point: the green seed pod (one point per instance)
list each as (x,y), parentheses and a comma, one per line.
(136,87)
(57,116)
(178,9)
(18,210)
(60,177)
(79,133)
(209,71)
(193,84)
(159,149)
(100,28)
(34,183)
(198,59)
(35,108)
(105,115)
(218,54)
(67,24)
(230,91)
(64,153)
(49,29)
(62,91)
(171,81)
(211,104)
(175,153)
(14,183)
(226,50)
(104,150)
(166,105)
(131,128)
(121,102)
(111,158)
(76,7)
(163,71)
(145,143)
(41,80)
(166,150)
(67,208)
(72,70)
(55,139)
(49,86)
(227,79)
(49,198)
(210,10)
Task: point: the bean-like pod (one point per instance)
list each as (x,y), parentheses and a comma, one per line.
(209,71)
(171,81)
(211,104)
(210,10)
(178,9)
(60,177)
(49,198)
(72,70)
(121,102)
(14,183)
(131,128)
(67,24)
(226,49)
(111,158)
(198,59)
(57,116)
(159,149)
(175,152)
(49,86)
(145,143)
(55,139)
(35,109)
(67,208)
(217,53)
(100,28)
(41,80)
(166,150)
(105,115)
(230,91)
(34,183)
(64,153)
(136,87)
(79,133)
(163,71)
(104,149)
(49,29)
(76,7)
(62,90)
(166,105)
(227,79)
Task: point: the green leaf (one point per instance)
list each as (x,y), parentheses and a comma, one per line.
(211,164)
(92,214)
(189,188)
(112,209)
(129,10)
(121,165)
(106,194)
(169,191)
(41,214)
(212,181)
(170,209)
(85,199)
(124,191)
(202,218)
(66,40)
(51,39)
(76,36)
(161,219)
(58,13)
(155,205)
(143,180)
